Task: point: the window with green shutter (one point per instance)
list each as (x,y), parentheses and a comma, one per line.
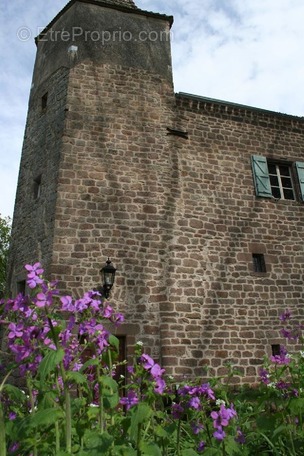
(300,173)
(261,176)
(277,179)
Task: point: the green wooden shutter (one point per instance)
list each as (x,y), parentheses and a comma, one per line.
(261,176)
(300,172)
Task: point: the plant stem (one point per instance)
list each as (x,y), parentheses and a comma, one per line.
(2,421)
(68,418)
(32,402)
(100,401)
(138,439)
(2,433)
(57,433)
(67,397)
(178,438)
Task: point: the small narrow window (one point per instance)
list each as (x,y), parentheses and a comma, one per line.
(44,100)
(276,350)
(258,262)
(37,187)
(20,286)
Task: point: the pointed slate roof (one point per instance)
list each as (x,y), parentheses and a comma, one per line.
(124,5)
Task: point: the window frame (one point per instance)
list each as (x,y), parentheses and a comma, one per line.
(261,177)
(279,176)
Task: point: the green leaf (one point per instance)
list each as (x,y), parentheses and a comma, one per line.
(296,405)
(89,363)
(14,393)
(140,414)
(213,452)
(189,452)
(114,341)
(45,417)
(161,432)
(77,377)
(108,383)
(95,441)
(232,447)
(48,400)
(150,449)
(120,450)
(49,363)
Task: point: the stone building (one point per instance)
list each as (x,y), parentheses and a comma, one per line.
(198,202)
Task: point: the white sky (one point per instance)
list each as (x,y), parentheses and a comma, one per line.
(244,51)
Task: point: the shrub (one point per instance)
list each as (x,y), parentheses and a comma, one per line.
(73,402)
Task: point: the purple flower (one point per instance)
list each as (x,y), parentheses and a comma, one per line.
(264,375)
(219,434)
(285,315)
(195,403)
(207,391)
(282,358)
(108,312)
(14,447)
(12,416)
(150,365)
(36,268)
(147,361)
(160,385)
(130,369)
(81,305)
(201,447)
(196,428)
(177,411)
(15,330)
(221,419)
(67,304)
(130,400)
(118,318)
(156,371)
(240,438)
(281,385)
(33,276)
(43,300)
(286,333)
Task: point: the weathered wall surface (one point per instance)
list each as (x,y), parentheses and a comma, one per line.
(33,223)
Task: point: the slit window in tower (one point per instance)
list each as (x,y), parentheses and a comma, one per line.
(259,264)
(37,187)
(44,100)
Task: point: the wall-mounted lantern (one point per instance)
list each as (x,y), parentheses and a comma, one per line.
(108,277)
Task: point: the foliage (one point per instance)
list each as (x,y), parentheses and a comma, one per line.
(73,402)
(5,233)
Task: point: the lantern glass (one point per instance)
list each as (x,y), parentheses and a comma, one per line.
(108,276)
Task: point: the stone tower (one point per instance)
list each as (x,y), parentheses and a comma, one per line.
(95,159)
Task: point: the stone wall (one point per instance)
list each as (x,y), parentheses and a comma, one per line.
(162,184)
